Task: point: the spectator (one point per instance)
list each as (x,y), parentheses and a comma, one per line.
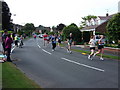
(4,36)
(8,45)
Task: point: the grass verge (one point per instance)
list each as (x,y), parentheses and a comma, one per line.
(87,52)
(106,56)
(14,78)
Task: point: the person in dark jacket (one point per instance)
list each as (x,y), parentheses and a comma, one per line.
(4,36)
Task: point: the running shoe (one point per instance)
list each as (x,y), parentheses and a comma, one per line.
(101,58)
(89,57)
(70,52)
(94,55)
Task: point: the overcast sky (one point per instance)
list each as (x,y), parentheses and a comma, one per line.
(53,12)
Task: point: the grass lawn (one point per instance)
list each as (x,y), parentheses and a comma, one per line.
(14,78)
(106,56)
(87,52)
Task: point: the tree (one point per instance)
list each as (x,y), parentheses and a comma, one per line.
(84,23)
(94,18)
(60,27)
(88,18)
(6,16)
(113,28)
(74,30)
(29,28)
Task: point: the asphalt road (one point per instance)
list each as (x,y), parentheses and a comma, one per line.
(60,69)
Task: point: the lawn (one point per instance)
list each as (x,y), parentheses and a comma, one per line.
(88,52)
(106,56)
(14,78)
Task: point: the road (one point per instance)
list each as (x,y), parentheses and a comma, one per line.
(60,69)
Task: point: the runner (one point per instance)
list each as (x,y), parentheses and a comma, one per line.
(101,43)
(34,36)
(92,46)
(59,40)
(69,40)
(45,37)
(16,40)
(53,38)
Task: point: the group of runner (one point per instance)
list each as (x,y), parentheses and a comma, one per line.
(56,40)
(53,38)
(92,43)
(100,45)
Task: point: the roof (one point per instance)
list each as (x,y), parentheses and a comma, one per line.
(90,28)
(105,17)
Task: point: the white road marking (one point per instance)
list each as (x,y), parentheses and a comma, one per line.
(91,67)
(12,49)
(46,51)
(39,46)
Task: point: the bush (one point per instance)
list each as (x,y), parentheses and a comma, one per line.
(74,30)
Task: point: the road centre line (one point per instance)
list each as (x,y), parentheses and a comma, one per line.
(91,67)
(46,51)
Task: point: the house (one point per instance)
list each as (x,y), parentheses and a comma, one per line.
(17,27)
(97,25)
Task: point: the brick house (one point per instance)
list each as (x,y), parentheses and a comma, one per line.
(99,25)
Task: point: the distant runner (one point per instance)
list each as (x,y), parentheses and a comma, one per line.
(53,39)
(45,38)
(69,40)
(59,40)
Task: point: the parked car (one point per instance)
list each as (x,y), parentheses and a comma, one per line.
(40,35)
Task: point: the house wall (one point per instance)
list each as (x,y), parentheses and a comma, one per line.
(102,28)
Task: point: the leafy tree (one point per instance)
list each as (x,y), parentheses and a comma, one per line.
(94,18)
(74,30)
(60,27)
(84,23)
(113,28)
(6,16)
(88,18)
(29,28)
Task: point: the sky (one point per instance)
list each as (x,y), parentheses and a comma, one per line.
(53,12)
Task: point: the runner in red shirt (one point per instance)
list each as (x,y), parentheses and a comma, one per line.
(45,38)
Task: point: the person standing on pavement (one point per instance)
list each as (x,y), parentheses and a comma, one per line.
(101,43)
(4,36)
(92,46)
(8,45)
(69,40)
